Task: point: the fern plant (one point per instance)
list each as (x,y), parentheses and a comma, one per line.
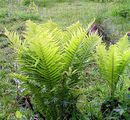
(112,62)
(51,59)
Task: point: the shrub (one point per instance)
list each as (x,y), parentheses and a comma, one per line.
(122,10)
(3,13)
(27,2)
(38,2)
(107,0)
(26,16)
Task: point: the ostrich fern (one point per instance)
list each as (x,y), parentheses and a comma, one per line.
(51,59)
(113,61)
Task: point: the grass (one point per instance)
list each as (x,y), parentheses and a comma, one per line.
(66,13)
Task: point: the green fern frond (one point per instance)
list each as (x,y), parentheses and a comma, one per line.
(87,47)
(112,62)
(123,43)
(72,47)
(19,76)
(46,57)
(14,39)
(68,33)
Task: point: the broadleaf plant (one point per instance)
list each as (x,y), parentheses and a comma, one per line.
(113,61)
(52,58)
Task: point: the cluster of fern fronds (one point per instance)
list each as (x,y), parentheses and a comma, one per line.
(52,61)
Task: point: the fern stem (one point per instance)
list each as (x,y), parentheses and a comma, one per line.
(62,99)
(63,91)
(112,77)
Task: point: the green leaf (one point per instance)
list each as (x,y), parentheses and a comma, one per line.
(18,114)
